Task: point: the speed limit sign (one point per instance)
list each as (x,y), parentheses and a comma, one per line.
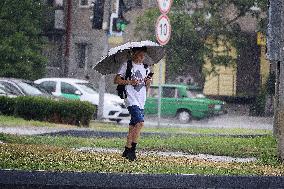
(163,29)
(165,5)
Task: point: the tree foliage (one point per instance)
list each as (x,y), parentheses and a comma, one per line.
(193,23)
(20,39)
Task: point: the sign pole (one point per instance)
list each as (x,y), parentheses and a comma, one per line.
(163,33)
(160,94)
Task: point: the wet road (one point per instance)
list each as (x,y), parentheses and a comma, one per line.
(221,121)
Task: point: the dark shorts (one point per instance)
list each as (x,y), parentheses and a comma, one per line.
(137,114)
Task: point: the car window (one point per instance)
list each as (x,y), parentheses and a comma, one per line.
(11,88)
(153,92)
(195,94)
(88,87)
(49,86)
(169,92)
(29,89)
(67,88)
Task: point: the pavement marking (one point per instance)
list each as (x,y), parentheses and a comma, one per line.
(207,157)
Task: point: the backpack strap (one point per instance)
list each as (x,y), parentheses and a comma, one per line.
(128,70)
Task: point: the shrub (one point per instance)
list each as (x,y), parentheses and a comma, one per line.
(43,109)
(7,105)
(36,108)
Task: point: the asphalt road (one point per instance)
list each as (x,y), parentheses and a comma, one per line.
(220,121)
(75,180)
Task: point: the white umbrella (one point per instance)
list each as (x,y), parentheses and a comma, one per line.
(111,63)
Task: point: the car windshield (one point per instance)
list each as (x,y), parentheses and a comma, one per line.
(89,88)
(2,91)
(29,89)
(195,94)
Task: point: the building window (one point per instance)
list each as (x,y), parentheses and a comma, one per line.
(81,55)
(84,3)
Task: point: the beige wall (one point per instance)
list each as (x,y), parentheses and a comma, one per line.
(223,80)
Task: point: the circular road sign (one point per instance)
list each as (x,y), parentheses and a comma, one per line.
(163,29)
(165,5)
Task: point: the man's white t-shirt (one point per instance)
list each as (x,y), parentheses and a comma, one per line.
(136,95)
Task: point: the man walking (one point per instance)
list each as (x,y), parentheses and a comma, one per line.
(136,91)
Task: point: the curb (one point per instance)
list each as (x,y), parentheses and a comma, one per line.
(60,180)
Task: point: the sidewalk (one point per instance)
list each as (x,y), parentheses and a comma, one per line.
(207,157)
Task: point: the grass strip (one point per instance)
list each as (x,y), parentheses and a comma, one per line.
(43,157)
(264,148)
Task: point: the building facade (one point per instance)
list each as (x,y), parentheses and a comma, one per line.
(74,45)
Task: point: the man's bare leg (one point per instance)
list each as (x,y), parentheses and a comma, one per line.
(129,136)
(132,138)
(136,131)
(128,144)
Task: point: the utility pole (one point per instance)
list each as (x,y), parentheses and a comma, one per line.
(102,82)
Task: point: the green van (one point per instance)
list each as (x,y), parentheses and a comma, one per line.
(179,101)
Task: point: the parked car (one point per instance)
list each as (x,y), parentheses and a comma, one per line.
(114,106)
(6,92)
(177,100)
(21,87)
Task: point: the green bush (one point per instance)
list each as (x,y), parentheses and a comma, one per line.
(36,108)
(258,106)
(7,105)
(72,112)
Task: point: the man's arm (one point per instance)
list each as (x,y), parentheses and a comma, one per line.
(119,81)
(148,83)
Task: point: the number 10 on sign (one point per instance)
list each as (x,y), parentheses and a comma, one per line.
(163,29)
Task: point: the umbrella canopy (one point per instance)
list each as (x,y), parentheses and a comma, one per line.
(111,63)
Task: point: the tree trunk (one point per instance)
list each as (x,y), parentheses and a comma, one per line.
(280,111)
(280,135)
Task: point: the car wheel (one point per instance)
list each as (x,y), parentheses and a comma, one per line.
(95,115)
(184,116)
(117,120)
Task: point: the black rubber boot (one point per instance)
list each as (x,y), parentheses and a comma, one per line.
(126,151)
(131,156)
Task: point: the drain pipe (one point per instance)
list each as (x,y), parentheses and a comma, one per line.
(68,35)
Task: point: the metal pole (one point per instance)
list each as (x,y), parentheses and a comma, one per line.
(101,97)
(160,94)
(102,86)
